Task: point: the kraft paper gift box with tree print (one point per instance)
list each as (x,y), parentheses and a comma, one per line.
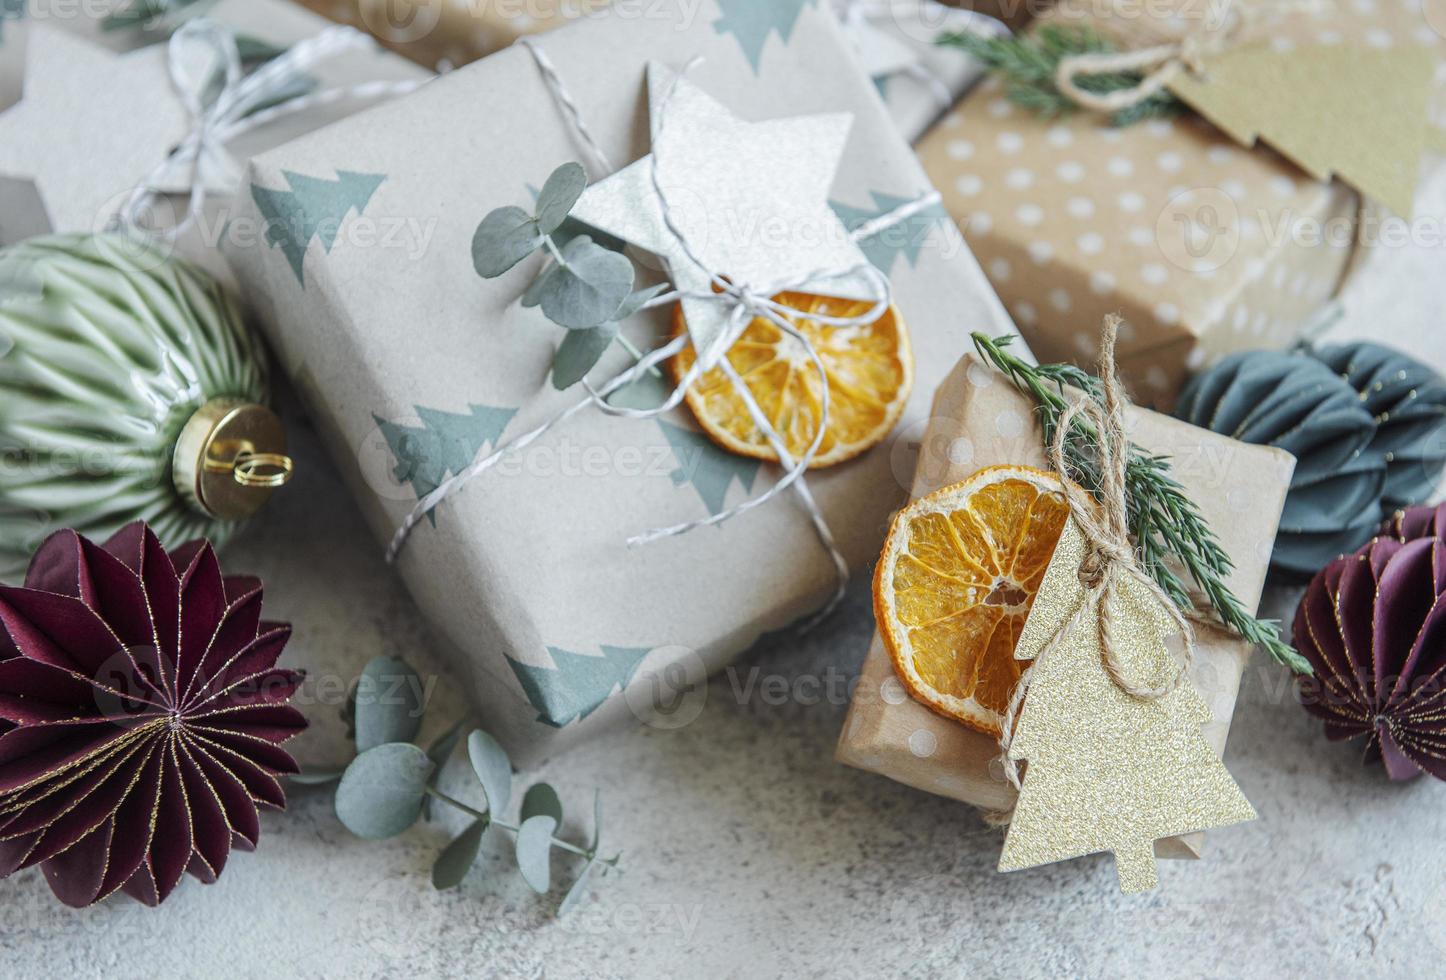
(1203,245)
(413,366)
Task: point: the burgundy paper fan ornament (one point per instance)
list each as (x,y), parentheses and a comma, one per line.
(143,714)
(1373,625)
(1418,522)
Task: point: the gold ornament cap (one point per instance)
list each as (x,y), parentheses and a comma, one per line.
(230,458)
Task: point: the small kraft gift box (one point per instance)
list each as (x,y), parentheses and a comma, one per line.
(362,272)
(1203,245)
(980,420)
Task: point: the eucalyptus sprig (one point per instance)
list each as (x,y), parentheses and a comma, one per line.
(391,783)
(1165,522)
(1029,63)
(587,288)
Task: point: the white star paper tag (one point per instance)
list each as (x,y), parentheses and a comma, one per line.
(89,127)
(750,198)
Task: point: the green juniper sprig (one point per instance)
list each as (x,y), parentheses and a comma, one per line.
(391,783)
(1163,519)
(1028,64)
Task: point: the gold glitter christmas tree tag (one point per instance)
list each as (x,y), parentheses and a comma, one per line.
(1109,771)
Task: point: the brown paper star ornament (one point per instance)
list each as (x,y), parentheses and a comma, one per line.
(90,126)
(1109,771)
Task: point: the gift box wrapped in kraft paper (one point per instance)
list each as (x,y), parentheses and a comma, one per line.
(415,366)
(1204,246)
(980,420)
(358,75)
(893,39)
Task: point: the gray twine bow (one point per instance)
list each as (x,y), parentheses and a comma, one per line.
(243,103)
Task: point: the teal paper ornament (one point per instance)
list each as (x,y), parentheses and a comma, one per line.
(1408,401)
(1297,403)
(130,389)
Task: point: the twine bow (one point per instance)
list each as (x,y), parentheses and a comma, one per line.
(1109,552)
(1159,64)
(242,104)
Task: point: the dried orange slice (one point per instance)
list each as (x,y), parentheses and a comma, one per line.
(870,374)
(955,582)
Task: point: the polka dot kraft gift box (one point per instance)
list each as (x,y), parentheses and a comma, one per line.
(1203,245)
(980,420)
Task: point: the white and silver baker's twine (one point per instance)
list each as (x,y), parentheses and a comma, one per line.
(747,302)
(234,110)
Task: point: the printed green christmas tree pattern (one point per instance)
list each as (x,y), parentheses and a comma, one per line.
(578,684)
(446,444)
(906,238)
(710,470)
(312,207)
(752,21)
(1109,771)
(10,10)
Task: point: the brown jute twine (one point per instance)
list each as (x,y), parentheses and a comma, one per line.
(1160,61)
(1104,525)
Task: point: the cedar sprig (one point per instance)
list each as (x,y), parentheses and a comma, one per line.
(1028,64)
(1163,519)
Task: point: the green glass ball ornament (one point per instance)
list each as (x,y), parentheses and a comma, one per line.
(1408,400)
(130,389)
(1297,403)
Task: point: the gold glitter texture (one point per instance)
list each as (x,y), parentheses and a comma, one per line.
(1108,771)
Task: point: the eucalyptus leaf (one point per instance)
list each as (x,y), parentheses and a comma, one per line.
(494,770)
(439,752)
(579,353)
(315,777)
(578,890)
(534,851)
(533,295)
(590,287)
(558,195)
(381,792)
(504,238)
(636,301)
(541,800)
(348,712)
(441,749)
(454,862)
(596,820)
(572,229)
(388,703)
